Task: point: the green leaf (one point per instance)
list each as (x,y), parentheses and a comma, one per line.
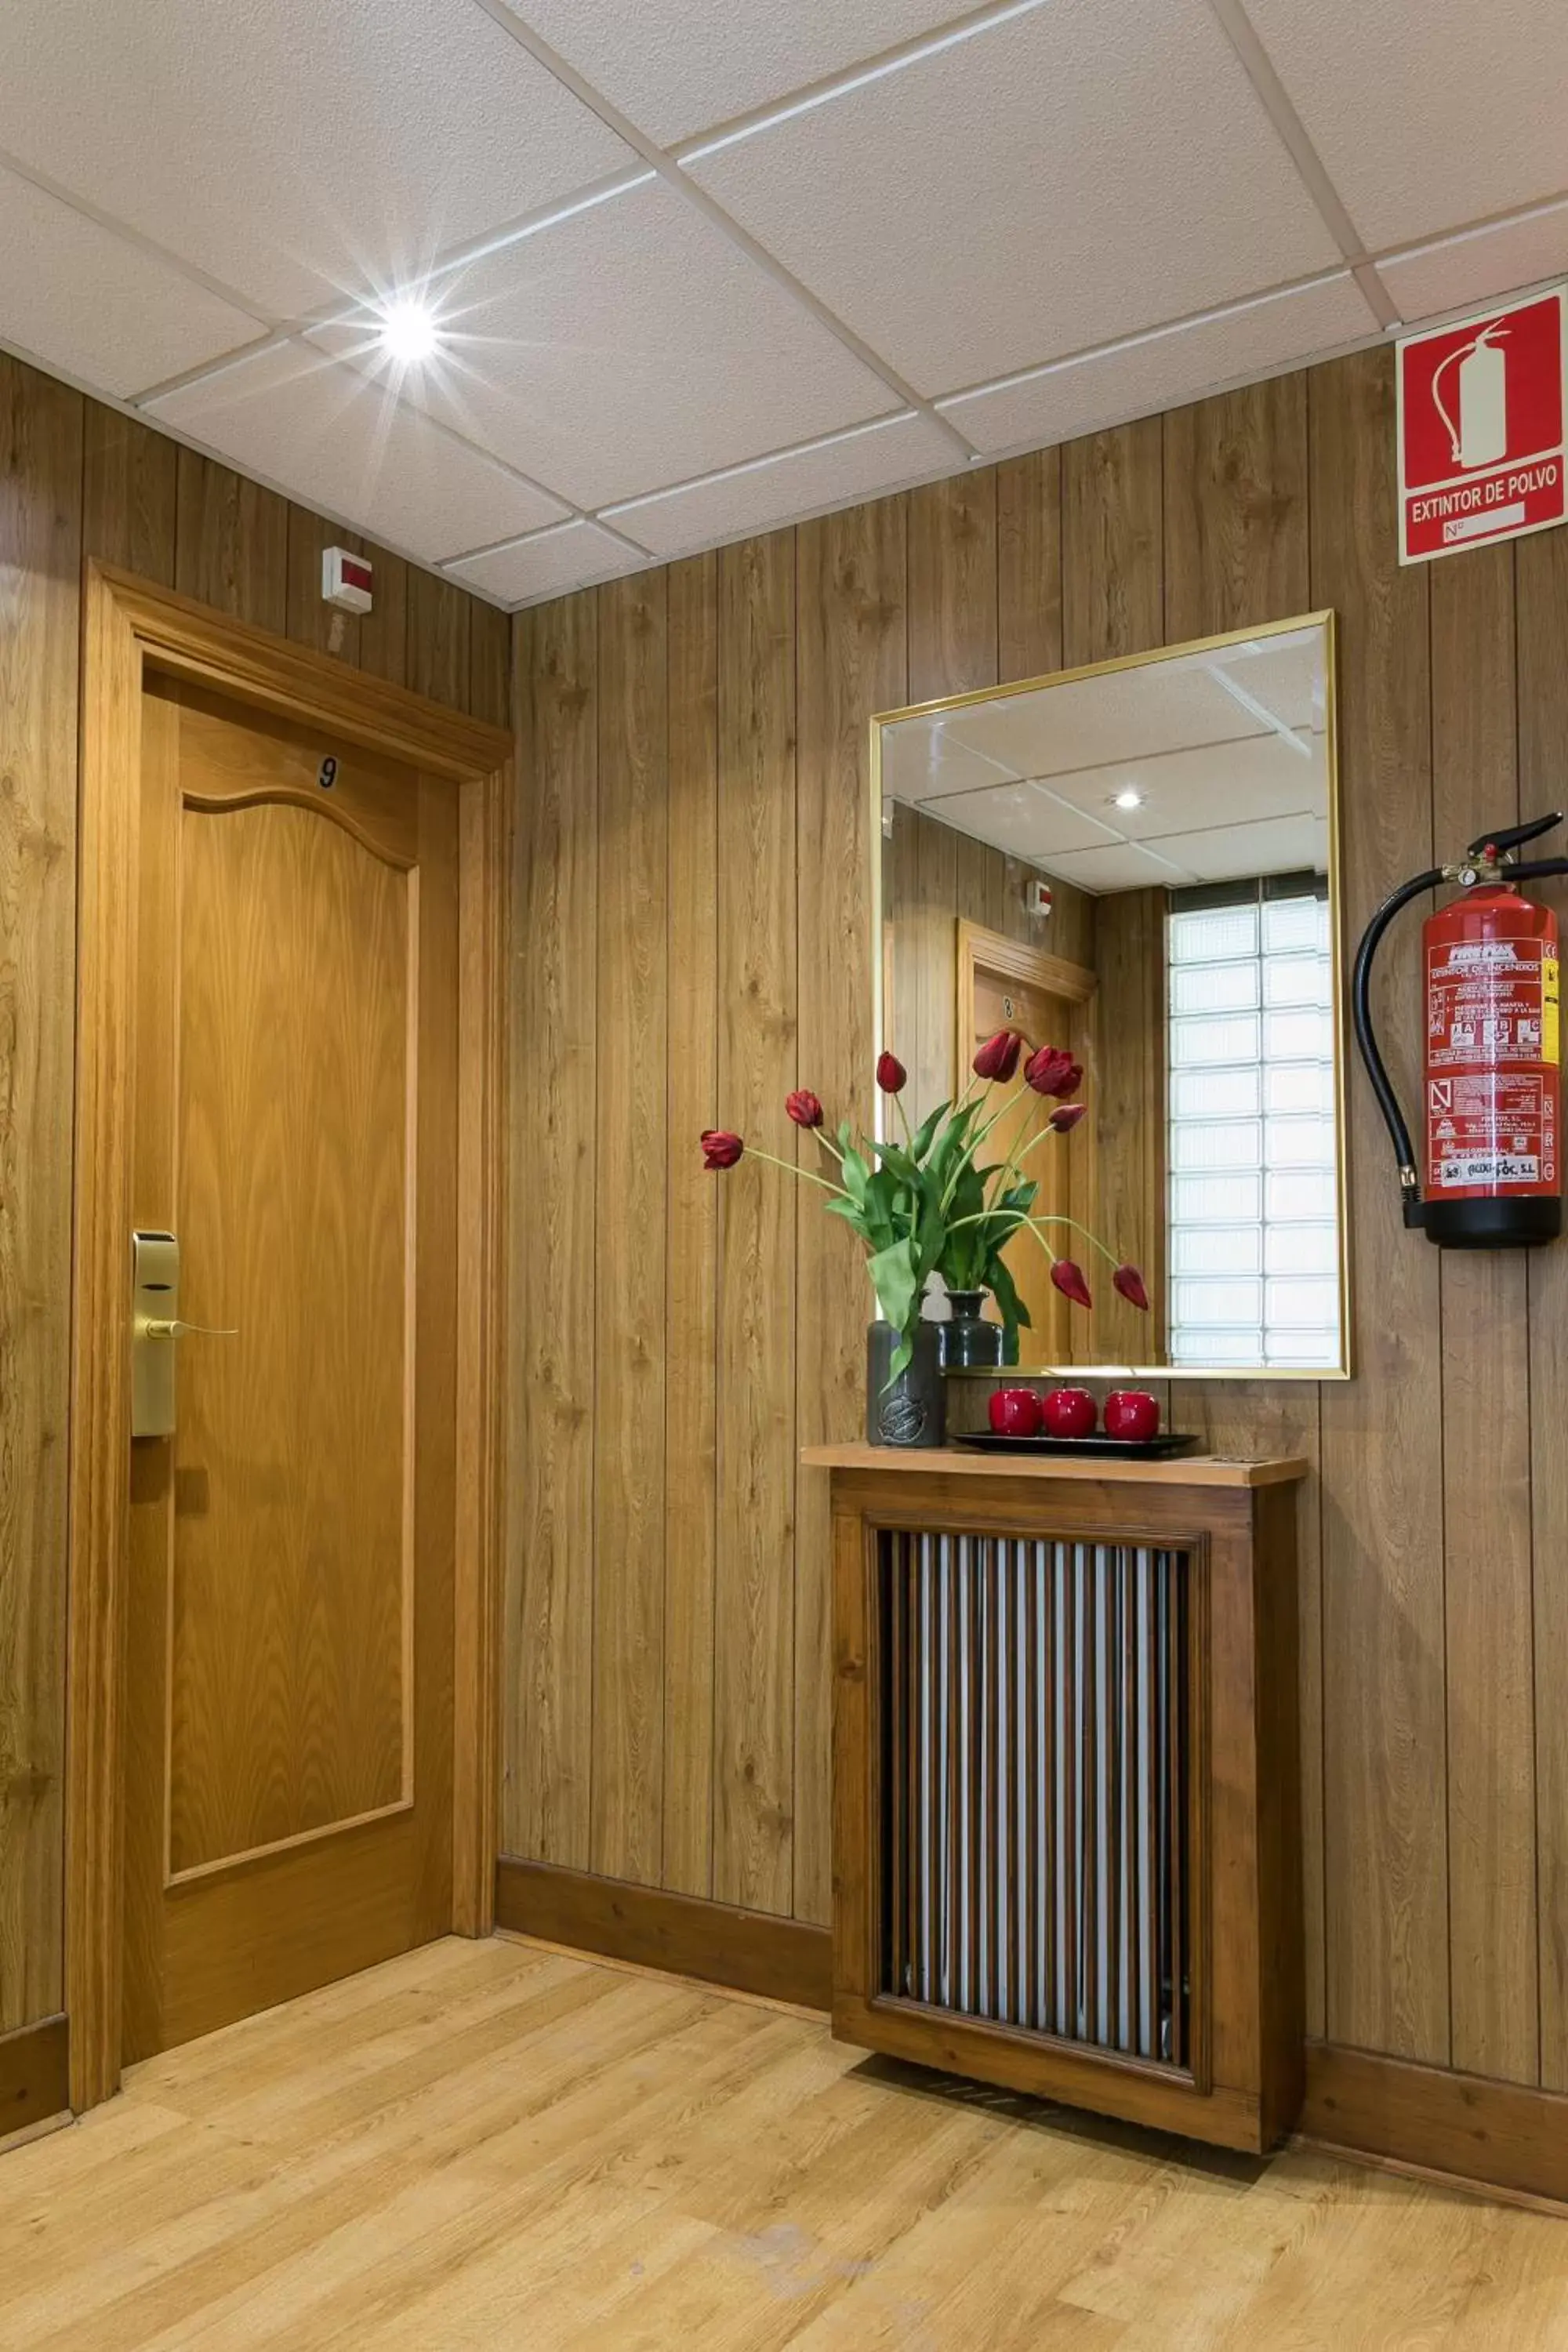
(893,1272)
(1001,1285)
(856,1174)
(926,1130)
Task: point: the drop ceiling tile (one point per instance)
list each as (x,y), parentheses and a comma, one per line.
(1165,369)
(1425,118)
(660,62)
(1123,868)
(1063,177)
(856,465)
(288,148)
(1459,270)
(82,299)
(922,761)
(1022,819)
(1186,791)
(630,348)
(328,436)
(1088,722)
(551,564)
(1235,853)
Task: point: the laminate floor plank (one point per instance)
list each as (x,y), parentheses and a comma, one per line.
(489,2145)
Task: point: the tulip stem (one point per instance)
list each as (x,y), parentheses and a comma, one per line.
(794,1168)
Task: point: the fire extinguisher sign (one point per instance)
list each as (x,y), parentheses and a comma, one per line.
(1482,452)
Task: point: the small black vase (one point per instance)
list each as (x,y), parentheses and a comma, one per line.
(909,1411)
(968,1342)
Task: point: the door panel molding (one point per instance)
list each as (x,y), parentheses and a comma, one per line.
(132,628)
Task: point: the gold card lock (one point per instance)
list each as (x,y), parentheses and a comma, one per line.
(154,1309)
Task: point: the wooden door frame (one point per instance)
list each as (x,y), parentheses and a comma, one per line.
(131,626)
(1075,983)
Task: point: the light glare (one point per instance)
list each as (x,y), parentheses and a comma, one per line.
(1129,797)
(409,333)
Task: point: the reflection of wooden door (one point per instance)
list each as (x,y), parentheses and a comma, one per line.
(289,1668)
(1003,984)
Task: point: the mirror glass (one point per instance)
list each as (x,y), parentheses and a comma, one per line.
(1137,862)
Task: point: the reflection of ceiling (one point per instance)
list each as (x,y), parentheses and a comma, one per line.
(1226,749)
(707,269)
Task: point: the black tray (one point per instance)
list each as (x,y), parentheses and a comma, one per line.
(1123,1449)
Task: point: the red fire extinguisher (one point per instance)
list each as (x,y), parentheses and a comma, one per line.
(1489,1175)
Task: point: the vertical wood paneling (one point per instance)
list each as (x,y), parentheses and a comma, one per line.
(40,545)
(231,548)
(1486,1422)
(1540,566)
(437,653)
(1113,543)
(1238,550)
(629,1161)
(931,950)
(692,1240)
(952,586)
(547,1704)
(128,495)
(384,630)
(489,664)
(1385,1809)
(1029,565)
(1127,1092)
(851,662)
(901,961)
(754,1607)
(1235,510)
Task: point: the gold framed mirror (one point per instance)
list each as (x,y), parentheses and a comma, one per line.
(1139,860)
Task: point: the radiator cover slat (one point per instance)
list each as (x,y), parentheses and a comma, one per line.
(1037,1786)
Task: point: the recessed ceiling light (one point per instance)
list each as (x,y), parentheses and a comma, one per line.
(410,332)
(1129,797)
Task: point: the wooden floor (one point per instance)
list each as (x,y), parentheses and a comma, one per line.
(496,2145)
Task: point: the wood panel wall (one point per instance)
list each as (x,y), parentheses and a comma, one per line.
(78,480)
(667,1600)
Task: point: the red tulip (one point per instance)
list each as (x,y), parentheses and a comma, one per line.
(804,1108)
(1053,1071)
(1069,1279)
(891,1074)
(1130,1283)
(998,1057)
(720,1148)
(1066,1117)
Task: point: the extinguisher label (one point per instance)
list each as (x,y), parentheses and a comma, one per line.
(1550,1048)
(1491,1064)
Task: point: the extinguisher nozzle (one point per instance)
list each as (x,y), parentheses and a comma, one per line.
(1415,1212)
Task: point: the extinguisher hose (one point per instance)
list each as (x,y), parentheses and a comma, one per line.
(1366,1036)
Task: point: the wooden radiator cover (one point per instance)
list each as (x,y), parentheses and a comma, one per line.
(1066,1781)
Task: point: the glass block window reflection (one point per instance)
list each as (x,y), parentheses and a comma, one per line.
(1254,1255)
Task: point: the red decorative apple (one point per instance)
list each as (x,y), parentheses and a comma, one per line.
(1014,1412)
(1070,1412)
(1131,1413)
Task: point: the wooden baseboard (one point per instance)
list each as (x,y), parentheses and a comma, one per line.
(34,2079)
(1506,2136)
(751,1951)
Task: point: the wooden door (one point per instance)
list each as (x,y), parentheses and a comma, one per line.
(288,1806)
(1003,984)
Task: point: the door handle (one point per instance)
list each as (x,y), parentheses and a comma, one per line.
(162,1329)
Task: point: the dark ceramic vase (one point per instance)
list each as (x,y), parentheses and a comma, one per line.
(969,1343)
(910,1410)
